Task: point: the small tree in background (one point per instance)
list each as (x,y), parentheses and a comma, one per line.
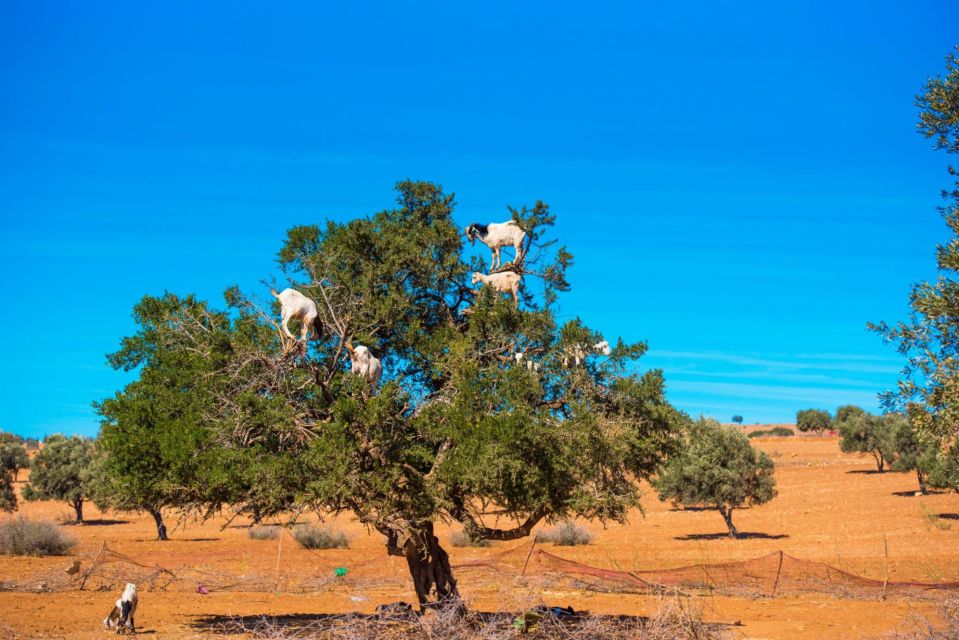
(62,471)
(8,497)
(861,432)
(912,454)
(738,419)
(944,473)
(717,467)
(816,420)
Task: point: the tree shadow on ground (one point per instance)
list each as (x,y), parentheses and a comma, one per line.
(361,625)
(949,516)
(743,535)
(867,472)
(103,522)
(915,493)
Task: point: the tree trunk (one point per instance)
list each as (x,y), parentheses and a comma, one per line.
(430,569)
(255,514)
(880,463)
(922,482)
(78,507)
(158,519)
(728,517)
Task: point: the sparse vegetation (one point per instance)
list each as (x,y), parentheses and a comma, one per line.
(22,537)
(774,432)
(566,534)
(462,539)
(62,471)
(263,532)
(312,536)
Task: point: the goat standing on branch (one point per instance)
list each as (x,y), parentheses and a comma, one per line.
(496,235)
(294,304)
(365,365)
(121,616)
(504,282)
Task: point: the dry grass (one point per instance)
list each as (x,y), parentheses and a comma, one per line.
(567,534)
(263,532)
(315,537)
(922,628)
(462,539)
(675,618)
(22,537)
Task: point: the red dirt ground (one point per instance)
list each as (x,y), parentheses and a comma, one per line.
(831,508)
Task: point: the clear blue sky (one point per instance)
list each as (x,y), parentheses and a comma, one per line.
(741,183)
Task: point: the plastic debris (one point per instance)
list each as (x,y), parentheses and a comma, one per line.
(201,589)
(339,572)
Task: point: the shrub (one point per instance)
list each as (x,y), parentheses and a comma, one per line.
(567,534)
(462,539)
(314,537)
(264,532)
(817,420)
(23,537)
(775,431)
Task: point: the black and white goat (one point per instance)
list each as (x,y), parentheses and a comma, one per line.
(496,235)
(121,616)
(365,365)
(294,304)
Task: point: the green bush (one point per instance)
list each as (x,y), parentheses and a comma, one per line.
(263,532)
(314,537)
(462,539)
(22,537)
(567,534)
(775,431)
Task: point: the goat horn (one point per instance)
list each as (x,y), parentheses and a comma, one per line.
(349,346)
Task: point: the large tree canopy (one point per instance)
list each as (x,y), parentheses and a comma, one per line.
(458,429)
(929,389)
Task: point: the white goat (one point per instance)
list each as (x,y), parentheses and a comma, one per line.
(532,366)
(577,353)
(294,304)
(504,282)
(363,364)
(496,235)
(121,616)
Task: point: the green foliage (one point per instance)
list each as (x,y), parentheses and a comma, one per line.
(315,537)
(717,467)
(817,420)
(912,453)
(566,534)
(455,426)
(13,457)
(861,432)
(929,389)
(62,470)
(738,419)
(774,432)
(23,537)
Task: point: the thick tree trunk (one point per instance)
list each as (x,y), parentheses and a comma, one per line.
(158,519)
(922,482)
(728,517)
(255,514)
(430,569)
(880,462)
(78,507)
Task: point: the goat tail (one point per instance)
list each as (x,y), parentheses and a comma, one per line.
(274,293)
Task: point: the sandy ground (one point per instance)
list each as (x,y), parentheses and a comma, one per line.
(831,508)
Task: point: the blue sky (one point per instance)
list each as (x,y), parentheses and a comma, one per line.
(741,183)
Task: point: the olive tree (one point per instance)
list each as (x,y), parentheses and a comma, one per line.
(928,392)
(817,420)
(456,432)
(862,432)
(717,467)
(61,470)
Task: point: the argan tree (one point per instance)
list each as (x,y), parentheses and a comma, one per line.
(457,431)
(13,456)
(718,468)
(816,420)
(913,454)
(862,432)
(61,470)
(928,392)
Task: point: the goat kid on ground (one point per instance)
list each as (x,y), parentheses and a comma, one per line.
(294,304)
(121,616)
(504,282)
(365,365)
(497,235)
